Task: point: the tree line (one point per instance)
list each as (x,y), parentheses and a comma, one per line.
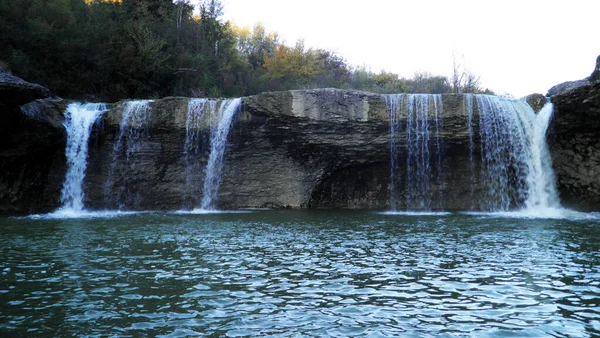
(115,49)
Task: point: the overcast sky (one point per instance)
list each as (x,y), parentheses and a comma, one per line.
(516,46)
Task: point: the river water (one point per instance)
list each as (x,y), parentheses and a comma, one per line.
(300,273)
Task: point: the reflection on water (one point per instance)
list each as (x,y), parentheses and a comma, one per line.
(299,273)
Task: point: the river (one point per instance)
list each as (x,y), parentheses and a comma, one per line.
(300,273)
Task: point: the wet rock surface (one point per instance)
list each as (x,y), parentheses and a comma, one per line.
(323,148)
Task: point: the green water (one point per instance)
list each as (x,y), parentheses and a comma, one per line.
(292,273)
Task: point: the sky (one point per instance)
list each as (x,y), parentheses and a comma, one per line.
(517,47)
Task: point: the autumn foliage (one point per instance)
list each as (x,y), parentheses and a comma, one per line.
(114,49)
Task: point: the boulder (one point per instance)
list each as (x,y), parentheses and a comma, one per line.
(536,101)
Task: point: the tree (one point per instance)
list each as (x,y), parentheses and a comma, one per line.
(292,67)
(463,81)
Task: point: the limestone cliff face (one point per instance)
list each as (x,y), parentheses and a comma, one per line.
(285,149)
(322,148)
(328,149)
(574,142)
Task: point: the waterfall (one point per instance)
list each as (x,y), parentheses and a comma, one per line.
(510,165)
(423,169)
(505,151)
(468,106)
(418,168)
(132,129)
(516,163)
(394,104)
(133,123)
(218,142)
(200,112)
(542,193)
(79,119)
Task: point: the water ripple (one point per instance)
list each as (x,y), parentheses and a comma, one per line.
(294,273)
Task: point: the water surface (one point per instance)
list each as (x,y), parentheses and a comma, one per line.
(293,273)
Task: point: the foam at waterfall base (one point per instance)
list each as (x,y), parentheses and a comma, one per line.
(415,213)
(540,213)
(68,213)
(210,212)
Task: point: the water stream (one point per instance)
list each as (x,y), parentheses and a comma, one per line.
(200,113)
(421,163)
(515,168)
(218,143)
(119,188)
(79,120)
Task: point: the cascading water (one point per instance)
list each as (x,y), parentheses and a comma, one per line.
(418,110)
(199,114)
(542,193)
(514,165)
(394,104)
(218,142)
(468,104)
(505,151)
(136,116)
(79,119)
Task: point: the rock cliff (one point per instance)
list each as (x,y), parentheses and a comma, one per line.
(573,140)
(595,76)
(323,148)
(15,91)
(32,145)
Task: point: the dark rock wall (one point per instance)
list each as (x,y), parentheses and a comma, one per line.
(302,149)
(32,160)
(321,148)
(574,142)
(595,76)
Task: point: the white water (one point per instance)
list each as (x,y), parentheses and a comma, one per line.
(418,166)
(540,179)
(505,151)
(211,212)
(133,124)
(422,168)
(85,214)
(136,116)
(415,213)
(511,127)
(218,142)
(468,105)
(79,119)
(394,105)
(200,112)
(515,174)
